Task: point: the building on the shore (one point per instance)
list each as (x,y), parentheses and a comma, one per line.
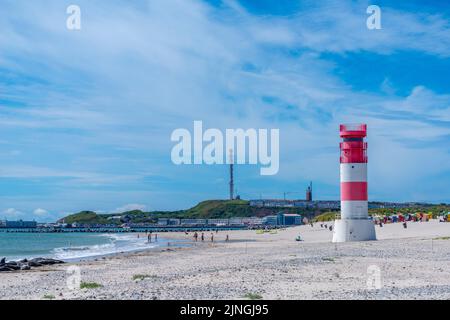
(193,221)
(274,203)
(281,203)
(168,222)
(235,221)
(289,219)
(114,218)
(252,221)
(328,204)
(218,222)
(282,219)
(271,220)
(396,205)
(20,224)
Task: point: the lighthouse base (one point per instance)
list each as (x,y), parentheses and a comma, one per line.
(346,230)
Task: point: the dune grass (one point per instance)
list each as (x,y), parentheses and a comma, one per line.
(325,217)
(253,296)
(328,259)
(90,285)
(442,238)
(140,277)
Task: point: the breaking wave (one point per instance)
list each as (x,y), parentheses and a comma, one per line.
(117,243)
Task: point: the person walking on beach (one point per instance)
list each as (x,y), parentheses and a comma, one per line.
(212,237)
(203,237)
(227,238)
(149,237)
(156,237)
(195,236)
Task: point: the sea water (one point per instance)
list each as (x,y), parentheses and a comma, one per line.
(70,246)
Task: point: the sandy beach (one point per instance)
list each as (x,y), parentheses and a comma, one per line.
(414,264)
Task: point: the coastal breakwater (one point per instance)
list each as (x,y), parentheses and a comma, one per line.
(26,264)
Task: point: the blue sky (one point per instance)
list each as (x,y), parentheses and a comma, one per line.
(86,116)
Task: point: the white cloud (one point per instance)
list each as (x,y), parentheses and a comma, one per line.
(12,213)
(427,103)
(422,104)
(41,213)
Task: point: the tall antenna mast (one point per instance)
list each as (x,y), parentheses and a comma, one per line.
(231,176)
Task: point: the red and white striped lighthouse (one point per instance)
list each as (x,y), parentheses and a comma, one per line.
(354,223)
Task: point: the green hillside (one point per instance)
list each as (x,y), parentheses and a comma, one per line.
(219,209)
(85,217)
(209,209)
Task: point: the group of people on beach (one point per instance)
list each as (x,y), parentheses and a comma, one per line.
(202,236)
(149,236)
(402,218)
(380,221)
(324,225)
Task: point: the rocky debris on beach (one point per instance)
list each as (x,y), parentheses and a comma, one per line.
(26,264)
